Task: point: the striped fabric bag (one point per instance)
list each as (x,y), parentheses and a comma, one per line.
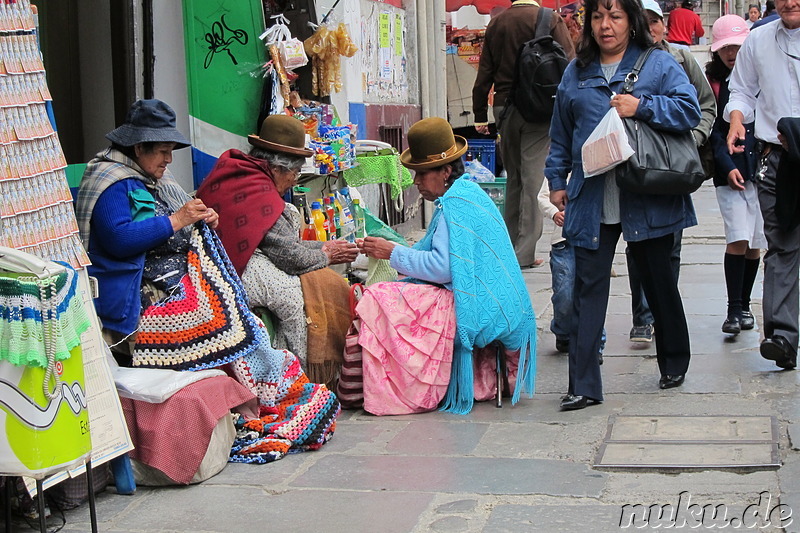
(350,388)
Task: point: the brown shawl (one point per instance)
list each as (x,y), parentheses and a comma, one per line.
(326,295)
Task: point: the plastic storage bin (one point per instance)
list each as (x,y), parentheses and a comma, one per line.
(497,192)
(484,151)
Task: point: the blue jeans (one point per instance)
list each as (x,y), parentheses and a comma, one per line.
(562,270)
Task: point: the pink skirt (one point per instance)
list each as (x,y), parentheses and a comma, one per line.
(407,336)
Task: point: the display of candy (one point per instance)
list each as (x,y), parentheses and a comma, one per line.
(36,212)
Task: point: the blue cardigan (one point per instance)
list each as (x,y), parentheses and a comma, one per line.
(117,250)
(668,101)
(724,162)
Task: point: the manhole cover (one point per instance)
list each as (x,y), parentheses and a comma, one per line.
(690,442)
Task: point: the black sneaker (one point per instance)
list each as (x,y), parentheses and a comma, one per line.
(642,333)
(562,345)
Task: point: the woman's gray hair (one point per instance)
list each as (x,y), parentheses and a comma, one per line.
(277,159)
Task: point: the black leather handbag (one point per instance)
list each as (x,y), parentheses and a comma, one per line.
(663,162)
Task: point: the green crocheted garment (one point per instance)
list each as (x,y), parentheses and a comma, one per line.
(379,169)
(23,330)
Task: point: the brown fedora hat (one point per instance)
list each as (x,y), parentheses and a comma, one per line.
(431,143)
(282,133)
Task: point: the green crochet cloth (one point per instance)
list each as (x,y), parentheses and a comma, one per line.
(22,331)
(379,169)
(379,270)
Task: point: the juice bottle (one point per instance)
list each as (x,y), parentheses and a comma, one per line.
(319,221)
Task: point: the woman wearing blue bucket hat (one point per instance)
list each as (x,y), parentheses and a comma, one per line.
(128,204)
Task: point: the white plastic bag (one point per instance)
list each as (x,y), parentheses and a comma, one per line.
(606,147)
(478,171)
(292,52)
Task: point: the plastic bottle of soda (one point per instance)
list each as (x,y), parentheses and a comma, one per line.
(330,213)
(319,221)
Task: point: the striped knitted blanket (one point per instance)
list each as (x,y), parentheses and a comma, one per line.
(295,415)
(22,323)
(206,322)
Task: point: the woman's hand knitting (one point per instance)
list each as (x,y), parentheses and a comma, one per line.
(340,252)
(191,212)
(376,247)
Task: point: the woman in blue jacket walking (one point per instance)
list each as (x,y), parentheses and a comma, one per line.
(597,211)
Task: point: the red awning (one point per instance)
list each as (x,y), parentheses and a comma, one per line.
(484,7)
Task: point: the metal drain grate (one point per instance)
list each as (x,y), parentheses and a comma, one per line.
(686,442)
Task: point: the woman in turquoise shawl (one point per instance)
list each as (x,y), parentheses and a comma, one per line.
(421,338)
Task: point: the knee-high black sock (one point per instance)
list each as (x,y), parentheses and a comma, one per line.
(749,279)
(734,275)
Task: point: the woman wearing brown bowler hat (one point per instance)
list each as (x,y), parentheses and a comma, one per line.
(464,291)
(261,234)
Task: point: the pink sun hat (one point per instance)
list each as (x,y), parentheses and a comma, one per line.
(728,30)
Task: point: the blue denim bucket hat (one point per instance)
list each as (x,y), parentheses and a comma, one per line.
(148,121)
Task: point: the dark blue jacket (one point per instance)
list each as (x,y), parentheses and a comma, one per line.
(723,161)
(117,250)
(765,20)
(668,101)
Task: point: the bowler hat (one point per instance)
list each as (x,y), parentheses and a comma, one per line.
(282,133)
(148,121)
(431,144)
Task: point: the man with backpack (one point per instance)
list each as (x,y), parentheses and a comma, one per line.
(525,124)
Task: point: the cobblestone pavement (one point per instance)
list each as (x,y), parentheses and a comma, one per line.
(526,467)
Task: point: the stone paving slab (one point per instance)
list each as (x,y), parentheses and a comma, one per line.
(554,518)
(790,488)
(709,485)
(434,438)
(226,509)
(478,475)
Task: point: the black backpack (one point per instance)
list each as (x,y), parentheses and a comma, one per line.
(540,64)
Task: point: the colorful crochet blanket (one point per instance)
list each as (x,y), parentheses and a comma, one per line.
(27,304)
(206,322)
(295,415)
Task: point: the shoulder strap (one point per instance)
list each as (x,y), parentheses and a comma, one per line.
(633,75)
(543,22)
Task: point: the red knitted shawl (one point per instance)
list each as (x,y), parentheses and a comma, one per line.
(241,189)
